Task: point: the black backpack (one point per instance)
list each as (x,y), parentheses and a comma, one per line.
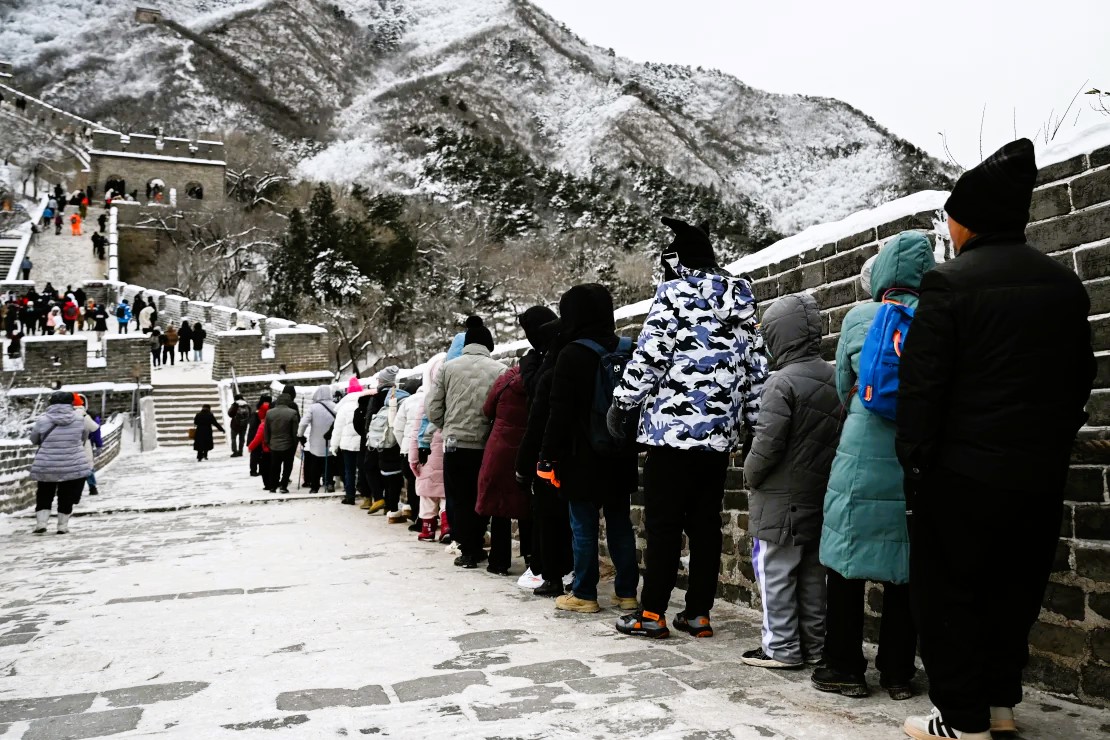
(120,313)
(610,369)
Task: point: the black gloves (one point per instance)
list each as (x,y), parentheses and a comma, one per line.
(424,453)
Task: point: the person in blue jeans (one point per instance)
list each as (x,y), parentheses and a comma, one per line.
(594,482)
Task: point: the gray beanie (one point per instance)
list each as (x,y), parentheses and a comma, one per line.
(388,376)
(865,273)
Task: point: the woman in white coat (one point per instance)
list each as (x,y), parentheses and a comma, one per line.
(346,439)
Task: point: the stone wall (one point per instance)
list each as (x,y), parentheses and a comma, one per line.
(291,350)
(17,490)
(138,159)
(50,360)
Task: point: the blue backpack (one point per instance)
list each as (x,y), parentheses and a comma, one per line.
(881,355)
(610,369)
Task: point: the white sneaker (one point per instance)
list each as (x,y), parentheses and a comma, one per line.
(395,517)
(933,726)
(1002,720)
(453,549)
(529,581)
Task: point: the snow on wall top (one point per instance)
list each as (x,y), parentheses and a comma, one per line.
(1084,142)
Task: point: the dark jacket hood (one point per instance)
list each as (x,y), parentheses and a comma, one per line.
(534,321)
(792,329)
(586,311)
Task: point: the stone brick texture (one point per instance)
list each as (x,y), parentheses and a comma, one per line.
(1069,644)
(50,361)
(17,490)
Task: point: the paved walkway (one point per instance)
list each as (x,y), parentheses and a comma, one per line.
(309,619)
(65,259)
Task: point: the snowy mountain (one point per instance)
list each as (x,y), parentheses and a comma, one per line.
(485,102)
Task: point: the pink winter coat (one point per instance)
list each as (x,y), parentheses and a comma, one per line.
(429,477)
(498,492)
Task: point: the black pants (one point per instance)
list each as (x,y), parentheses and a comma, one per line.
(155,355)
(393,484)
(26,273)
(68,492)
(370,476)
(69,326)
(256,462)
(460,483)
(552,554)
(167,354)
(410,487)
(281,467)
(313,470)
(524,532)
(266,470)
(683,492)
(844,631)
(979,562)
(238,438)
(500,543)
(123,329)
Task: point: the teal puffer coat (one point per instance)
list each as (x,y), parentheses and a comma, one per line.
(864,534)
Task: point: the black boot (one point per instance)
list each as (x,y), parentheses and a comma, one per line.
(93,491)
(549,588)
(836,682)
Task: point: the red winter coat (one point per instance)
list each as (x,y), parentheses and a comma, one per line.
(498,492)
(259,440)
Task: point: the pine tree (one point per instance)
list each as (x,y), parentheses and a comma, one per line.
(291,267)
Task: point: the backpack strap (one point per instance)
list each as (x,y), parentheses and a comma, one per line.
(886,299)
(601,351)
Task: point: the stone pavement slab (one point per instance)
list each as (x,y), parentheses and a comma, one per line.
(314,620)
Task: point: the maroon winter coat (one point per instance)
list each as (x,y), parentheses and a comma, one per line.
(498,492)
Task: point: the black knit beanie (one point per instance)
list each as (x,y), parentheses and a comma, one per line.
(477,333)
(691,243)
(533,321)
(61,397)
(994,196)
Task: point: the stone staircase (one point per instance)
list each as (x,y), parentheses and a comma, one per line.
(174,409)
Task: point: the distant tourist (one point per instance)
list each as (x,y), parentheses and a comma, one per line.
(203,424)
(198,342)
(75,224)
(102,221)
(185,340)
(169,346)
(99,318)
(57,223)
(123,316)
(25,268)
(146,317)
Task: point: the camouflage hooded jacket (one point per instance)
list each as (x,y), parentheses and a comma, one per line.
(699,365)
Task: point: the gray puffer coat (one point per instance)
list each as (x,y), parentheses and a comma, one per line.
(61,435)
(798,428)
(455,402)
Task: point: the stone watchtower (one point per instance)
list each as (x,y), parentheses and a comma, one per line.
(158,170)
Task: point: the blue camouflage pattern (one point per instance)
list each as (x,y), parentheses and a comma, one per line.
(699,365)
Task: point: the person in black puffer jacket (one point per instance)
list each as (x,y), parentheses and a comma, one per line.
(590,480)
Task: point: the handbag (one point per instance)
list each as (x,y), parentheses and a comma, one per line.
(192,432)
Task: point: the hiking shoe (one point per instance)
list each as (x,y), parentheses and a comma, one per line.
(643,624)
(1002,720)
(348,501)
(284,489)
(549,588)
(933,726)
(696,626)
(497,570)
(314,490)
(626,603)
(571,603)
(761,659)
(466,561)
(377,506)
(365,504)
(396,517)
(835,682)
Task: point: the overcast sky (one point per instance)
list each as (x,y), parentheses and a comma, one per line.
(919,67)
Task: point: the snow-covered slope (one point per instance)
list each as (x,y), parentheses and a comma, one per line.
(360,84)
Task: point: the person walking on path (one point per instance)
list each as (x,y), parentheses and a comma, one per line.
(75,224)
(203,424)
(54,320)
(254,431)
(865,535)
(102,222)
(314,432)
(499,496)
(239,420)
(123,316)
(58,222)
(972,381)
(99,318)
(696,375)
(280,435)
(185,340)
(198,337)
(455,406)
(156,343)
(169,347)
(83,208)
(60,466)
(787,471)
(70,314)
(595,481)
(25,267)
(146,317)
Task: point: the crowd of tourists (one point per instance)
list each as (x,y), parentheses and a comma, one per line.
(53,312)
(909,463)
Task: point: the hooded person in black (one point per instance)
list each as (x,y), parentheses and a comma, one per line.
(553,557)
(588,479)
(985,445)
(539,330)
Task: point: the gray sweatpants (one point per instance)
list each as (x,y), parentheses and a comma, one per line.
(792,582)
